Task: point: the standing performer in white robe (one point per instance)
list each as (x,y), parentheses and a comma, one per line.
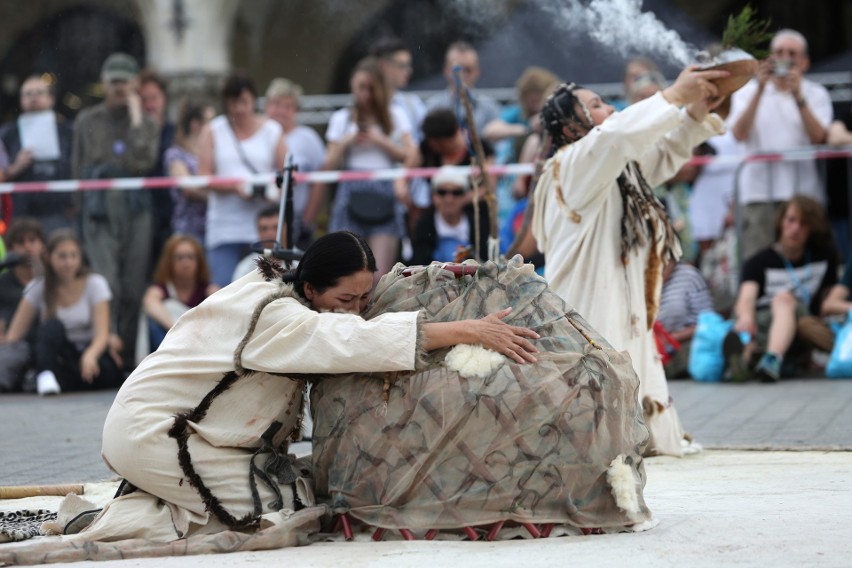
(604,235)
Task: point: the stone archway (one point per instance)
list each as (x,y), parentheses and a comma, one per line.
(71,45)
(189,43)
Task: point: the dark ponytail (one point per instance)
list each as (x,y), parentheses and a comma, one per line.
(330,258)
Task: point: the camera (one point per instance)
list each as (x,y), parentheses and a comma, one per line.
(780,67)
(258,190)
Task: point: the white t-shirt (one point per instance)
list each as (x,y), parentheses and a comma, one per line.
(713,189)
(778,126)
(308,154)
(414,109)
(230,218)
(460,232)
(77,318)
(365,156)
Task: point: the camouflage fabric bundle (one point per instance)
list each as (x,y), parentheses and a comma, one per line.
(532,443)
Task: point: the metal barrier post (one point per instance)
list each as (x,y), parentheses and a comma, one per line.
(738,219)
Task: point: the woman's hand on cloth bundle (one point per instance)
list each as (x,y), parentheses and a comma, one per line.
(490,331)
(495,334)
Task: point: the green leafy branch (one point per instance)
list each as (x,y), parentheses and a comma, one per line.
(746,32)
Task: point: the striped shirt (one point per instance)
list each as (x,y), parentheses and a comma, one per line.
(684,296)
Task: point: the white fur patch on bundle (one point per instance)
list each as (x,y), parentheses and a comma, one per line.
(473,361)
(623,483)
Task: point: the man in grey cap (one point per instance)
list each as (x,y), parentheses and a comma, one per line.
(115,139)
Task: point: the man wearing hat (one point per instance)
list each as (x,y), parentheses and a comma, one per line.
(115,139)
(448,225)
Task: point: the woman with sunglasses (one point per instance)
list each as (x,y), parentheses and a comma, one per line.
(449,224)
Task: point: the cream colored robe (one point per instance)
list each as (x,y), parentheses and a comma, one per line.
(202,347)
(577,224)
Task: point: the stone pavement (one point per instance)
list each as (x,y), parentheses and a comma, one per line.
(57,439)
(723,507)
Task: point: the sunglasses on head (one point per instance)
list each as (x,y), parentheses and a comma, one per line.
(453,192)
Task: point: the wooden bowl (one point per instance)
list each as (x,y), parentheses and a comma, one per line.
(741,71)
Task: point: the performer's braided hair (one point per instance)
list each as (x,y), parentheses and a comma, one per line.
(567,119)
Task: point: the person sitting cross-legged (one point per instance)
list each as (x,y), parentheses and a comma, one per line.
(782,290)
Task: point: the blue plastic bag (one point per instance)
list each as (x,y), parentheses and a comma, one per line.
(840,362)
(706,362)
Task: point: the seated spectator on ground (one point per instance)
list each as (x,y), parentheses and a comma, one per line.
(838,302)
(446,233)
(782,290)
(181,282)
(190,211)
(684,296)
(73,348)
(21,265)
(267,231)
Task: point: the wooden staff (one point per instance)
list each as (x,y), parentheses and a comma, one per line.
(541,156)
(22,491)
(478,160)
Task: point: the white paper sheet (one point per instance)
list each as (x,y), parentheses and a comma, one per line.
(38,134)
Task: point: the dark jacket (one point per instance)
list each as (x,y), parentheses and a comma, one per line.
(425,237)
(41,204)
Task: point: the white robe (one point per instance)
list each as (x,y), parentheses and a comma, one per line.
(200,349)
(579,233)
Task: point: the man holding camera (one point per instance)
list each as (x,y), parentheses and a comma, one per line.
(115,139)
(778,110)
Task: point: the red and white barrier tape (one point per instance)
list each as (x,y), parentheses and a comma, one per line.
(819,153)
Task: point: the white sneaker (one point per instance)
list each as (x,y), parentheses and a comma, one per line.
(46,383)
(690,447)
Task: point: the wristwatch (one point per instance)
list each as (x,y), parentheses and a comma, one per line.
(800,102)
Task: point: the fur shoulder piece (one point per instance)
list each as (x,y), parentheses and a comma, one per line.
(270,269)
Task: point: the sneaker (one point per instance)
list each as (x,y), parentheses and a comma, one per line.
(768,369)
(732,349)
(46,384)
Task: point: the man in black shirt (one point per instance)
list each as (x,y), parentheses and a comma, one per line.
(783,286)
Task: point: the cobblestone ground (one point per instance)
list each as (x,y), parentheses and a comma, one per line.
(57,439)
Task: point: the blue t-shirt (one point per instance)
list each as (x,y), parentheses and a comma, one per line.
(446,249)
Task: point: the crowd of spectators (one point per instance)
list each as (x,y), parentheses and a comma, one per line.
(151,254)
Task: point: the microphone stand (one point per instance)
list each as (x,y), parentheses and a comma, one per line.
(284,182)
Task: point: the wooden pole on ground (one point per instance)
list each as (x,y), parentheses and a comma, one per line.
(21,491)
